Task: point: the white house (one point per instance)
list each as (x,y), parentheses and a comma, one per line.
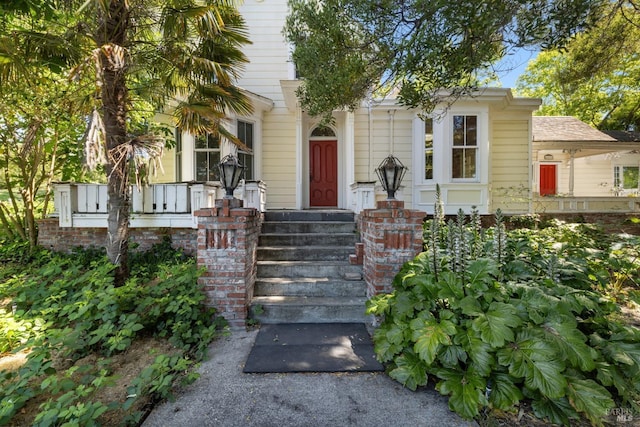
(486,150)
(474,150)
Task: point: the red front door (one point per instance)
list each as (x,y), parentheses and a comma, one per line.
(547,180)
(323,172)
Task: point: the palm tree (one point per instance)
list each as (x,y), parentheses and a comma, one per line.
(181,55)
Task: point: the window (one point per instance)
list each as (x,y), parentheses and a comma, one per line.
(178,134)
(465,147)
(323,131)
(207,148)
(428,148)
(625,177)
(245,134)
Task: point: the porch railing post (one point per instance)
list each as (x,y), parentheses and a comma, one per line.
(391,236)
(227,246)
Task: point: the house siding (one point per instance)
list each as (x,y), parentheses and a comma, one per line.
(269,52)
(364,166)
(509,163)
(594,175)
(279,158)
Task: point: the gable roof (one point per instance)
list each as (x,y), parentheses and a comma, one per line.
(566,129)
(570,133)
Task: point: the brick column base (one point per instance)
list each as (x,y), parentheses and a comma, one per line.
(227,243)
(391,236)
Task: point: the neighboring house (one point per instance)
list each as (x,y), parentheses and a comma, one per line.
(573,159)
(474,150)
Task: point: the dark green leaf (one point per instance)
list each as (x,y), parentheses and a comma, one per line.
(504,392)
(466,390)
(497,324)
(587,396)
(558,411)
(430,337)
(410,371)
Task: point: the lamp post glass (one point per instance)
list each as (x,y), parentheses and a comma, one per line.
(391,172)
(230,174)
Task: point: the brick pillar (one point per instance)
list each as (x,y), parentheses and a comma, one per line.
(227,243)
(391,235)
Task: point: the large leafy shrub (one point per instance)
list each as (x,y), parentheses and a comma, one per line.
(78,312)
(496,317)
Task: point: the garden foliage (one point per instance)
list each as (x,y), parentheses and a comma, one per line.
(67,307)
(495,317)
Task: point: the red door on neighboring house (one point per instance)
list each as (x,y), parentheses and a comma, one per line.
(547,180)
(323,173)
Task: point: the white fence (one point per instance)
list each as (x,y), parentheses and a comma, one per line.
(551,204)
(158,205)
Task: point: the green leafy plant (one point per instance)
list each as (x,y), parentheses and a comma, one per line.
(497,317)
(67,308)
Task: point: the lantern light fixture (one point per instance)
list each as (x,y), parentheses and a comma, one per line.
(391,172)
(230,174)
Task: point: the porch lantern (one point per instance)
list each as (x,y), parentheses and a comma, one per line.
(390,172)
(230,173)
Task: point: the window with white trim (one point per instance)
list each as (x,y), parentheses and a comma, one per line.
(464,151)
(178,135)
(428,148)
(626,177)
(245,134)
(207,158)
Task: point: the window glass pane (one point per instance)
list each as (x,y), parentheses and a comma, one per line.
(323,131)
(470,163)
(178,136)
(247,161)
(458,130)
(245,134)
(202,166)
(630,177)
(457,166)
(201,142)
(213,142)
(471,131)
(214,169)
(428,148)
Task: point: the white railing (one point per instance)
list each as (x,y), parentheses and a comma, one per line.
(158,205)
(363,196)
(551,204)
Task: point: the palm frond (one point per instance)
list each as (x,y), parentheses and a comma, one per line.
(94,149)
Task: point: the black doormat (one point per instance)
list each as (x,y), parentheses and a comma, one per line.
(312,347)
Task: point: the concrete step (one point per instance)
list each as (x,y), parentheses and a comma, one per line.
(304,253)
(309,269)
(324,227)
(310,287)
(309,215)
(290,309)
(308,239)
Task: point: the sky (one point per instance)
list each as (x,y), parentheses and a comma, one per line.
(516,64)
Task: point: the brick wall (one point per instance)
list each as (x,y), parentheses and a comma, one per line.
(227,247)
(64,239)
(391,236)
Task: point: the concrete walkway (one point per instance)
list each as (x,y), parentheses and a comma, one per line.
(225,396)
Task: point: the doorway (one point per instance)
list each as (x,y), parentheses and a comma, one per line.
(548,180)
(323,173)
